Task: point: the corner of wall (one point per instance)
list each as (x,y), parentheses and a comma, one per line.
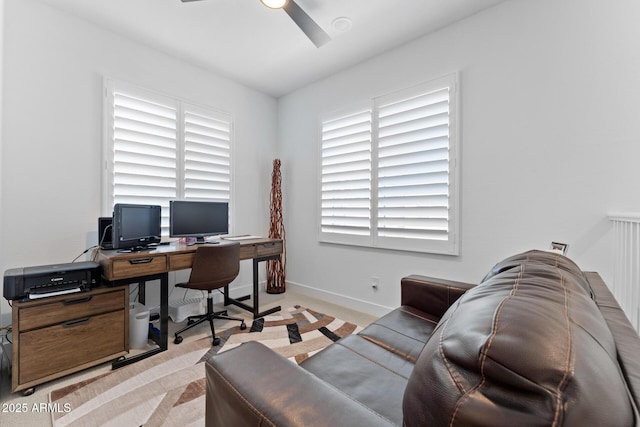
(4,318)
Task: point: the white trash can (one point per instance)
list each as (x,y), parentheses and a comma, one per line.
(138,325)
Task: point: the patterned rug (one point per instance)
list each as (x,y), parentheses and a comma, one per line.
(168,389)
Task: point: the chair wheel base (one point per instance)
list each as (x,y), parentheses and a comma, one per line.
(243,326)
(216,341)
(177,340)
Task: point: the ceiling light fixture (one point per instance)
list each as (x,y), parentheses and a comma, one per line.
(274,4)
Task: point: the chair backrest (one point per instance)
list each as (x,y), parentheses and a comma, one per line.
(215,266)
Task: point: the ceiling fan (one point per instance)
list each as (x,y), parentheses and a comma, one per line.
(308,26)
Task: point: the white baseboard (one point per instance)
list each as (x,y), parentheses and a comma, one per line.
(332,297)
(343,300)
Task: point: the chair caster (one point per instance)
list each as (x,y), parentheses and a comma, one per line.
(177,340)
(216,341)
(190,322)
(243,326)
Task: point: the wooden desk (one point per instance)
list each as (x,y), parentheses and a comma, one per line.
(140,267)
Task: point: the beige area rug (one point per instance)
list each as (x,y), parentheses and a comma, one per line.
(168,389)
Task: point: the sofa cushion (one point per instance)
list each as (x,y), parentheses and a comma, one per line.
(251,385)
(526,347)
(403,331)
(365,372)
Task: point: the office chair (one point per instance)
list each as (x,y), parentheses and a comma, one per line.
(214,267)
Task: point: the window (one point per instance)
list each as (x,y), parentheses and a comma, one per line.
(158,148)
(388,171)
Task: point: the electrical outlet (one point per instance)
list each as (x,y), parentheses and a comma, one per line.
(375,283)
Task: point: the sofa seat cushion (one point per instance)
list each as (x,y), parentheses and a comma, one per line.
(251,385)
(526,347)
(404,332)
(365,372)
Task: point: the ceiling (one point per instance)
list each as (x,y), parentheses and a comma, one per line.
(263,48)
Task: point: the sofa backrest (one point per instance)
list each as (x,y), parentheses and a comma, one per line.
(527,347)
(545,259)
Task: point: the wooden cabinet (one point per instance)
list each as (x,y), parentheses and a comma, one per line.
(57,336)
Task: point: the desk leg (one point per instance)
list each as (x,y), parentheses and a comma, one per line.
(142,294)
(226,295)
(256,298)
(164,312)
(256,306)
(162,339)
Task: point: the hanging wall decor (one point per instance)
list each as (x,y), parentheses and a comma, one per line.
(276,267)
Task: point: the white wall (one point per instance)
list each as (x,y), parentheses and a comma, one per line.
(54,66)
(550,142)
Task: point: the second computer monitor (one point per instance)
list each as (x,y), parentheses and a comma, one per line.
(188,218)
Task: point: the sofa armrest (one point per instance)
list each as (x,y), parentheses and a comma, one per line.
(251,385)
(431,295)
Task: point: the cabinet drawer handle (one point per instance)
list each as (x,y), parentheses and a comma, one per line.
(268,245)
(140,261)
(76,322)
(78,300)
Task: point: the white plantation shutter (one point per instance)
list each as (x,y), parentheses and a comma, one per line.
(413,166)
(144,150)
(412,188)
(207,155)
(346,175)
(158,149)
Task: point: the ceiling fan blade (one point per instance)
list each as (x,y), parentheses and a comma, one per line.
(308,26)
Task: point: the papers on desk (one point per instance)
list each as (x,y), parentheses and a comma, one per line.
(245,237)
(53,293)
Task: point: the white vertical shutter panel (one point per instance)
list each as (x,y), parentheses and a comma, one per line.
(413,167)
(144,145)
(207,156)
(346,175)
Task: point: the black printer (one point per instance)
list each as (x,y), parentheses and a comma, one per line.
(50,280)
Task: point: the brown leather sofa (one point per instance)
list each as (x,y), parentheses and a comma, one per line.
(537,343)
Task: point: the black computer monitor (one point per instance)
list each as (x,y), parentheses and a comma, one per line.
(188,218)
(136,226)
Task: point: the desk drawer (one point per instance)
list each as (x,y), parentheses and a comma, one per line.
(267,249)
(247,251)
(181,261)
(71,307)
(140,266)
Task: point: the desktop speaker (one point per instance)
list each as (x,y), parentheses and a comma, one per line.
(105,234)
